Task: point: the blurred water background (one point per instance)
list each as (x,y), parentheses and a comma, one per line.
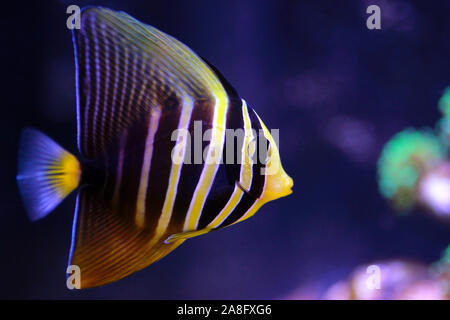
(336,90)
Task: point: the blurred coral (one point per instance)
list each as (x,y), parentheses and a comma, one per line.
(414,167)
(397,280)
(407,156)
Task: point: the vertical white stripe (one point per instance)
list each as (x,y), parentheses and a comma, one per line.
(207,177)
(119,169)
(155,115)
(258,203)
(175,170)
(248,139)
(237,195)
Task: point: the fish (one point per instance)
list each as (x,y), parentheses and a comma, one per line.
(140,92)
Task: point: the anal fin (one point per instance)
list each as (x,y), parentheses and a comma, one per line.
(105,247)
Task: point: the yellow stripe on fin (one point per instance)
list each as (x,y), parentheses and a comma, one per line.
(186,235)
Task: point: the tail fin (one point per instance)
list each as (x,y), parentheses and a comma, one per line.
(47,173)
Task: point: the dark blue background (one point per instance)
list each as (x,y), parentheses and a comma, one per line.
(336,90)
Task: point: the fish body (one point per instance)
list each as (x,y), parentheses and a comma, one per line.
(141,95)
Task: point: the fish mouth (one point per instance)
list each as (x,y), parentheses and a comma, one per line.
(284,186)
(289,184)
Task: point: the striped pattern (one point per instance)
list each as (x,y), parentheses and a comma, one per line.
(124,69)
(175,170)
(106,248)
(145,170)
(136,86)
(245,174)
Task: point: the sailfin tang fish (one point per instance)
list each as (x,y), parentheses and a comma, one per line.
(136,86)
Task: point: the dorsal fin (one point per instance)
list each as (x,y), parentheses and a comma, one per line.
(125,68)
(231,91)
